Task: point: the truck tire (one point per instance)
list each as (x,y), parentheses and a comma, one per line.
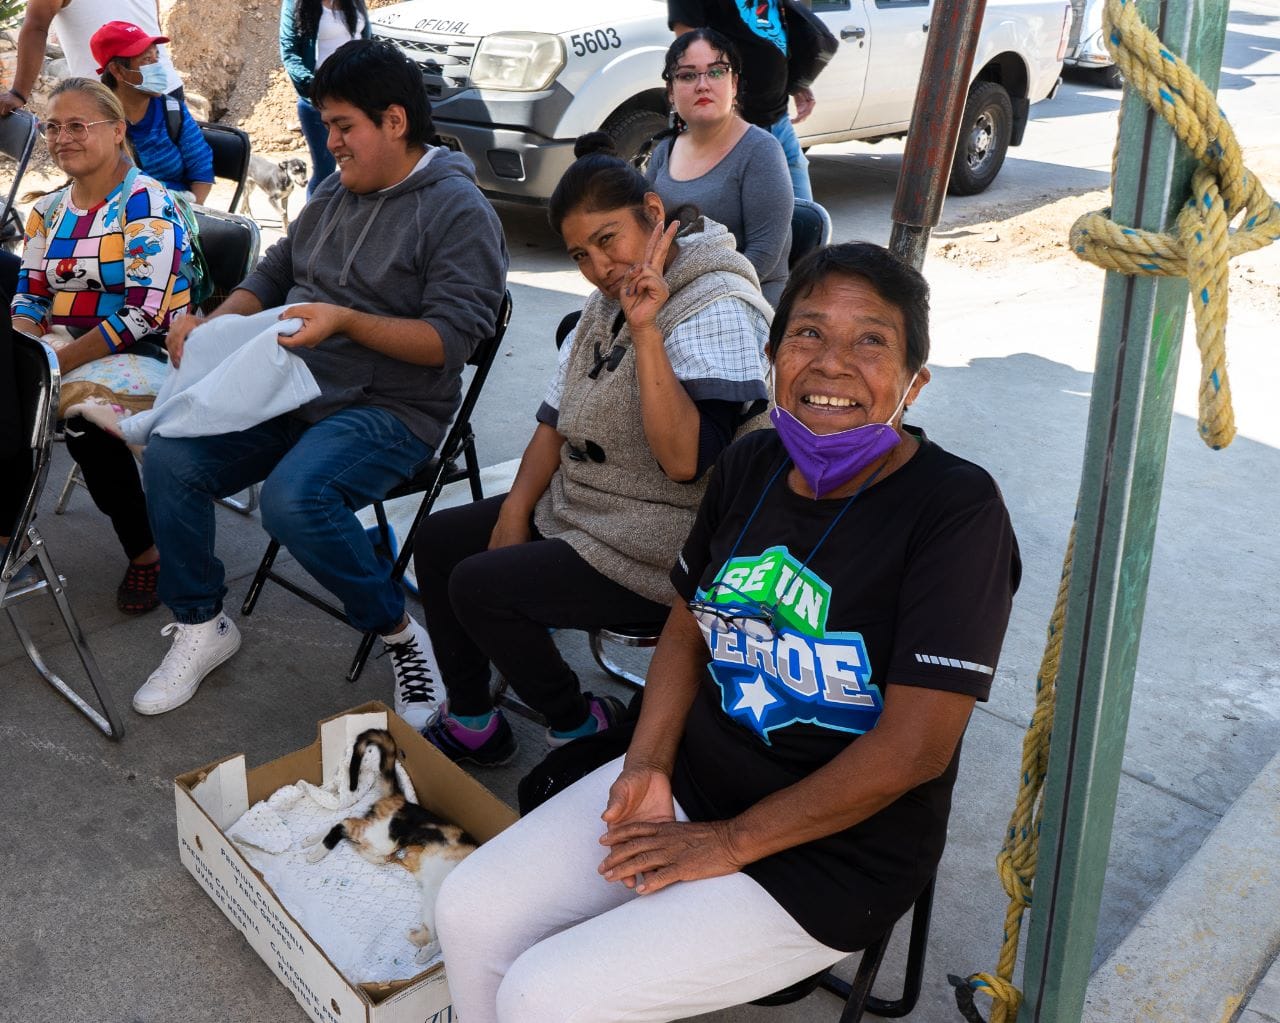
(631,130)
(1111,77)
(985,130)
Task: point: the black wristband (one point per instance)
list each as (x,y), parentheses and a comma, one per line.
(19,95)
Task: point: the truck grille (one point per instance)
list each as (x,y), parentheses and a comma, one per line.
(445,60)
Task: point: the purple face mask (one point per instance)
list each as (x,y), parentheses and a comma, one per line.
(828,461)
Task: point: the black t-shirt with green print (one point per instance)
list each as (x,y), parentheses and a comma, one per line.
(912,586)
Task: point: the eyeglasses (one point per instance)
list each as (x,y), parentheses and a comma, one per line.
(715,73)
(741,613)
(76,131)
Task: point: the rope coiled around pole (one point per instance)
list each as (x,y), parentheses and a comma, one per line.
(1199,248)
(1202,242)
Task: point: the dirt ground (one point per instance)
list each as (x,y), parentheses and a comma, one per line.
(235,63)
(996,238)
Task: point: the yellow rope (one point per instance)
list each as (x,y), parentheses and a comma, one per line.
(1016,863)
(1222,189)
(1198,249)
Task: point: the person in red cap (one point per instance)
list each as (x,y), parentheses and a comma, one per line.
(166,139)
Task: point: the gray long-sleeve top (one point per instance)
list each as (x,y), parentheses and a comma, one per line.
(749,191)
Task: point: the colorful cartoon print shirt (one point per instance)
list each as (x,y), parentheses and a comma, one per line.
(912,586)
(99,269)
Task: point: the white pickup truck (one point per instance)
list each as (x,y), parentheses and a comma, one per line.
(513,83)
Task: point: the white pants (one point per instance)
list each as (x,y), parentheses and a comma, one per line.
(533,934)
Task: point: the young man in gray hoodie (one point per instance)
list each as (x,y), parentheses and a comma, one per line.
(397,267)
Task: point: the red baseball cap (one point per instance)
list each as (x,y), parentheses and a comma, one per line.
(119,39)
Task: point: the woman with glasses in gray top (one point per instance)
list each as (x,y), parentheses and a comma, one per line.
(733,172)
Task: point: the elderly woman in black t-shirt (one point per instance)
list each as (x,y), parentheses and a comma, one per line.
(845,589)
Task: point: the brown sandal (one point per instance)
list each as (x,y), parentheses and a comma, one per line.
(136,593)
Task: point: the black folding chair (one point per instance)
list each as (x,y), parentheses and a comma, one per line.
(857,996)
(443,469)
(37,378)
(231,150)
(231,243)
(17,140)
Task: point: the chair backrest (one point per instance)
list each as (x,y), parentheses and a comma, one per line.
(230,243)
(37,380)
(231,150)
(810,229)
(482,359)
(17,140)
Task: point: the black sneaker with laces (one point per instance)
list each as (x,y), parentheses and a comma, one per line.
(419,692)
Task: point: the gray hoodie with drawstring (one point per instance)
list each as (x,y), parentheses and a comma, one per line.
(428,248)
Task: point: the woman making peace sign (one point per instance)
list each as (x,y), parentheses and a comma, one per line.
(664,367)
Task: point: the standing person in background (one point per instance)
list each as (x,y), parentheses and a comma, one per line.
(310,30)
(756,28)
(129,63)
(75,22)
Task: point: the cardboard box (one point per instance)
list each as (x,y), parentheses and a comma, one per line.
(211,799)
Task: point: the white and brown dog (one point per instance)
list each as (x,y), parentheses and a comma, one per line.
(277,180)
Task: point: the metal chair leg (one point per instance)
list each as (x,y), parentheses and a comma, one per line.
(607,664)
(245,507)
(362,655)
(857,996)
(914,977)
(74,479)
(260,577)
(106,722)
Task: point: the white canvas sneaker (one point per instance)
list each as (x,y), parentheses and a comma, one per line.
(419,692)
(196,651)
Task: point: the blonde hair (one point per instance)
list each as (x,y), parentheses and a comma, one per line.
(108,105)
(103,98)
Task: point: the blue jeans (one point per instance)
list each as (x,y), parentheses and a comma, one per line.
(317,135)
(797,163)
(316,478)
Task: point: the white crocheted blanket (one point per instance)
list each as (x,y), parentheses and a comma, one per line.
(358,912)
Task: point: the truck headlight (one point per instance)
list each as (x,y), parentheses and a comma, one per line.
(519,61)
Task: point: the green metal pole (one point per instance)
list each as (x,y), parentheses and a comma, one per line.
(1129,419)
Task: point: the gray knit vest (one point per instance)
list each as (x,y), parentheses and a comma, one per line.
(623,515)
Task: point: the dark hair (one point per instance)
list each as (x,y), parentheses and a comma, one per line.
(716,40)
(599,179)
(372,74)
(306,16)
(893,280)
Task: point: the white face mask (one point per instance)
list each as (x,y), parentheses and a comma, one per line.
(154,79)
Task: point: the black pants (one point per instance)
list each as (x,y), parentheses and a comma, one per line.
(487,606)
(111,477)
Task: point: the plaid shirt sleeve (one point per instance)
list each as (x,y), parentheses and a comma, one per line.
(719,352)
(549,410)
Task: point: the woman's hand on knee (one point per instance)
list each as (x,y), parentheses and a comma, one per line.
(510,530)
(649,855)
(639,794)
